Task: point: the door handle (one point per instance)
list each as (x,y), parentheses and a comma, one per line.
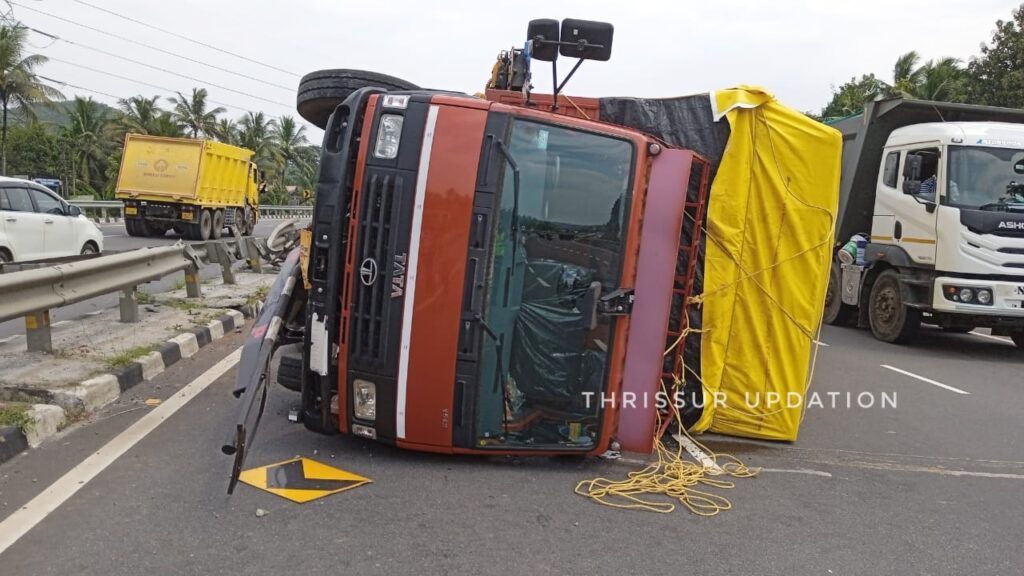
(48,221)
(9,219)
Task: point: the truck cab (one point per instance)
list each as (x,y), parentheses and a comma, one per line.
(946,233)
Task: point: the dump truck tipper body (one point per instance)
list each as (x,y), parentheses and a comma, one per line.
(196,187)
(935,192)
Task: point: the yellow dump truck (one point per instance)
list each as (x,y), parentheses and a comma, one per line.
(198,188)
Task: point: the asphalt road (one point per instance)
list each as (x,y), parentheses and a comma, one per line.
(931,486)
(116,239)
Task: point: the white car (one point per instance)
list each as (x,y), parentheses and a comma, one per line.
(36,224)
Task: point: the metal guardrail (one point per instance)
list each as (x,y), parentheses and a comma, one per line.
(101,210)
(32,293)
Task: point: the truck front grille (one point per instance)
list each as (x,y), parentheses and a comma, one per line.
(373,307)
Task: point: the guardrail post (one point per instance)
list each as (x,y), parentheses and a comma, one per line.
(224,259)
(129,302)
(253,254)
(37,332)
(192,284)
(103,215)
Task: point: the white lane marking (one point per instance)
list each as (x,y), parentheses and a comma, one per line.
(706,461)
(807,471)
(411,269)
(923,379)
(991,337)
(28,516)
(94,313)
(60,323)
(9,338)
(820,343)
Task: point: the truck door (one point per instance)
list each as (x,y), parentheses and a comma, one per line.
(909,219)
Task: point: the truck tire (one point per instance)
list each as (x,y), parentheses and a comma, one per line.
(218,224)
(891,320)
(205,225)
(289,367)
(320,92)
(837,313)
(238,223)
(250,223)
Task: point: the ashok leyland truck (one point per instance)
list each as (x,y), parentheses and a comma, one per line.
(937,191)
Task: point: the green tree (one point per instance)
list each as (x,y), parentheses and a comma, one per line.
(906,75)
(997,75)
(192,114)
(287,137)
(850,98)
(166,125)
(34,151)
(139,114)
(943,80)
(227,131)
(254,133)
(89,142)
(19,86)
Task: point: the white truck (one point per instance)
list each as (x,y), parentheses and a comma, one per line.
(937,191)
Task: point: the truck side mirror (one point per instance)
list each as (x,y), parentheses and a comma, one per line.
(586,39)
(912,174)
(543,33)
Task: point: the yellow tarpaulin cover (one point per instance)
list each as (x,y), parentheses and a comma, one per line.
(770,223)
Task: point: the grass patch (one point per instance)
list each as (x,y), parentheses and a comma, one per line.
(128,356)
(186,305)
(16,415)
(178,285)
(259,295)
(143,297)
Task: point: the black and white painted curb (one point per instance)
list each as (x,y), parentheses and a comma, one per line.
(99,391)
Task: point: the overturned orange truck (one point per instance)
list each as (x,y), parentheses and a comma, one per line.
(540,274)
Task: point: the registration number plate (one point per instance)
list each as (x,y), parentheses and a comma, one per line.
(1013,304)
(186,215)
(131,210)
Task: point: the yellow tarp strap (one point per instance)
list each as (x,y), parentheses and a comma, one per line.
(770,223)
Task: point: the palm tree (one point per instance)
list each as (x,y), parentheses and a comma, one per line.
(193,115)
(287,137)
(19,86)
(89,142)
(942,80)
(139,114)
(227,131)
(907,75)
(165,125)
(254,133)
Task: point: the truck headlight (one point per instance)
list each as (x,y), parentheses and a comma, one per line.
(389,135)
(364,396)
(966,295)
(984,297)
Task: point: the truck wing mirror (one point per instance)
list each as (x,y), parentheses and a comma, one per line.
(586,39)
(543,33)
(588,306)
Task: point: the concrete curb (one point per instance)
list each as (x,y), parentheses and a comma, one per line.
(101,390)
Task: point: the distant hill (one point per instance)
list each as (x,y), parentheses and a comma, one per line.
(56,114)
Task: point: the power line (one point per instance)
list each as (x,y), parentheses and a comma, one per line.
(126,78)
(161,50)
(69,85)
(165,70)
(194,41)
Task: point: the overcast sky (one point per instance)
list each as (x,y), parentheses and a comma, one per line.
(798,49)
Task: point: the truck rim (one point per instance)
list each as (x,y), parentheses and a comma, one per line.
(887,306)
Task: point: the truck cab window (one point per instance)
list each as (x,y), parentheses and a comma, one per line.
(929,173)
(891,169)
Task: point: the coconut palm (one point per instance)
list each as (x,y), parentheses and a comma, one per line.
(191,112)
(86,135)
(166,125)
(227,131)
(139,114)
(19,86)
(942,80)
(254,133)
(907,75)
(287,137)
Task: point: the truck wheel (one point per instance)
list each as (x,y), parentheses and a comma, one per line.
(129,227)
(320,92)
(289,367)
(218,224)
(238,223)
(250,223)
(837,313)
(205,225)
(891,320)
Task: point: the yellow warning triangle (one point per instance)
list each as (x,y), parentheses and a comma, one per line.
(301,479)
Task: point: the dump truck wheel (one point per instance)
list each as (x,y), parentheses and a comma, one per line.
(238,223)
(891,319)
(129,227)
(218,224)
(320,92)
(837,313)
(289,367)
(205,225)
(250,223)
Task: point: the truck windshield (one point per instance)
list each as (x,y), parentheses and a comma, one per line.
(985,178)
(573,199)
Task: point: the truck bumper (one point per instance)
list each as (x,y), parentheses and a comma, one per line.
(1007,299)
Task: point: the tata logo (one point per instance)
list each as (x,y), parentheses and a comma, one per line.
(398,275)
(368,272)
(1011,225)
